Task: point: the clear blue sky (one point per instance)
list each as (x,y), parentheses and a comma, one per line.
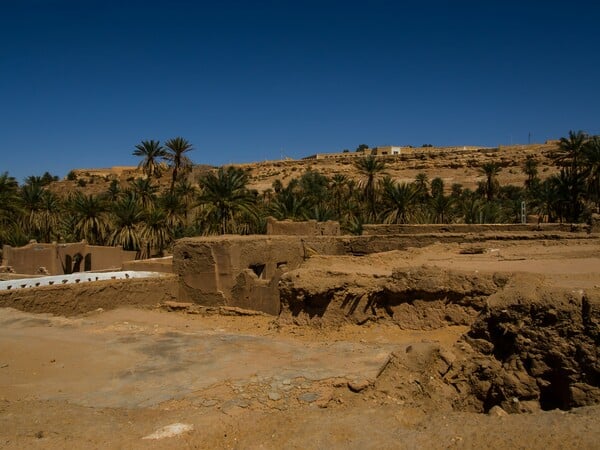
(83,81)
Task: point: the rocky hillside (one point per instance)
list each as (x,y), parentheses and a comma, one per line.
(452,164)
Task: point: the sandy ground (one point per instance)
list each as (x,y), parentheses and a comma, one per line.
(113,378)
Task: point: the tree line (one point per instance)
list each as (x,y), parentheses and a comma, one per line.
(147,218)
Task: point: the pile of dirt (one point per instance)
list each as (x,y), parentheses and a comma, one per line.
(532,347)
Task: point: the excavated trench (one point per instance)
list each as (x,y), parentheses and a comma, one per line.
(529,346)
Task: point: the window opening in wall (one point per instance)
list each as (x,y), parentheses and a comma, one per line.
(68,267)
(77,262)
(87,265)
(258,269)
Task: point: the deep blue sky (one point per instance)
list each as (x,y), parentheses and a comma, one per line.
(83,81)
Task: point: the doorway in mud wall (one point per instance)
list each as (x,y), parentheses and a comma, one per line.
(77,258)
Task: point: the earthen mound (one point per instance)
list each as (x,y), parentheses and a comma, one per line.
(532,347)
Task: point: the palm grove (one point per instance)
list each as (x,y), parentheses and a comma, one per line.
(147,217)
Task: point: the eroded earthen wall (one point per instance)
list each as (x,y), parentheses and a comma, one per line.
(305,228)
(164,265)
(394,229)
(242,271)
(73,299)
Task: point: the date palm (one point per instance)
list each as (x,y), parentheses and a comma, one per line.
(10,207)
(289,203)
(186,192)
(155,232)
(315,188)
(176,150)
(591,169)
(399,201)
(530,168)
(490,170)
(41,211)
(49,216)
(570,149)
(127,215)
(437,187)
(422,186)
(174,208)
(90,217)
(441,206)
(145,192)
(151,153)
(224,195)
(370,168)
(339,191)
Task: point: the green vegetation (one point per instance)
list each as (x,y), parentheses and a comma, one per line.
(147,216)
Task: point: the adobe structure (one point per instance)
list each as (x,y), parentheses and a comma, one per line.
(245,271)
(57,259)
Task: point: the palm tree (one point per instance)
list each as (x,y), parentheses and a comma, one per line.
(441,206)
(315,188)
(174,208)
(289,203)
(491,171)
(151,152)
(176,149)
(49,216)
(31,199)
(530,168)
(422,186)
(470,207)
(339,190)
(370,168)
(113,192)
(145,192)
(127,214)
(225,196)
(187,193)
(591,169)
(90,218)
(570,149)
(456,190)
(10,207)
(437,187)
(399,200)
(34,180)
(155,231)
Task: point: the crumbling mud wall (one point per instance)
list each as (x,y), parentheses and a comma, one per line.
(532,347)
(395,229)
(414,298)
(369,244)
(73,299)
(242,271)
(304,228)
(164,265)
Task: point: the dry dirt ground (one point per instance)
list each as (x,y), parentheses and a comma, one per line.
(113,378)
